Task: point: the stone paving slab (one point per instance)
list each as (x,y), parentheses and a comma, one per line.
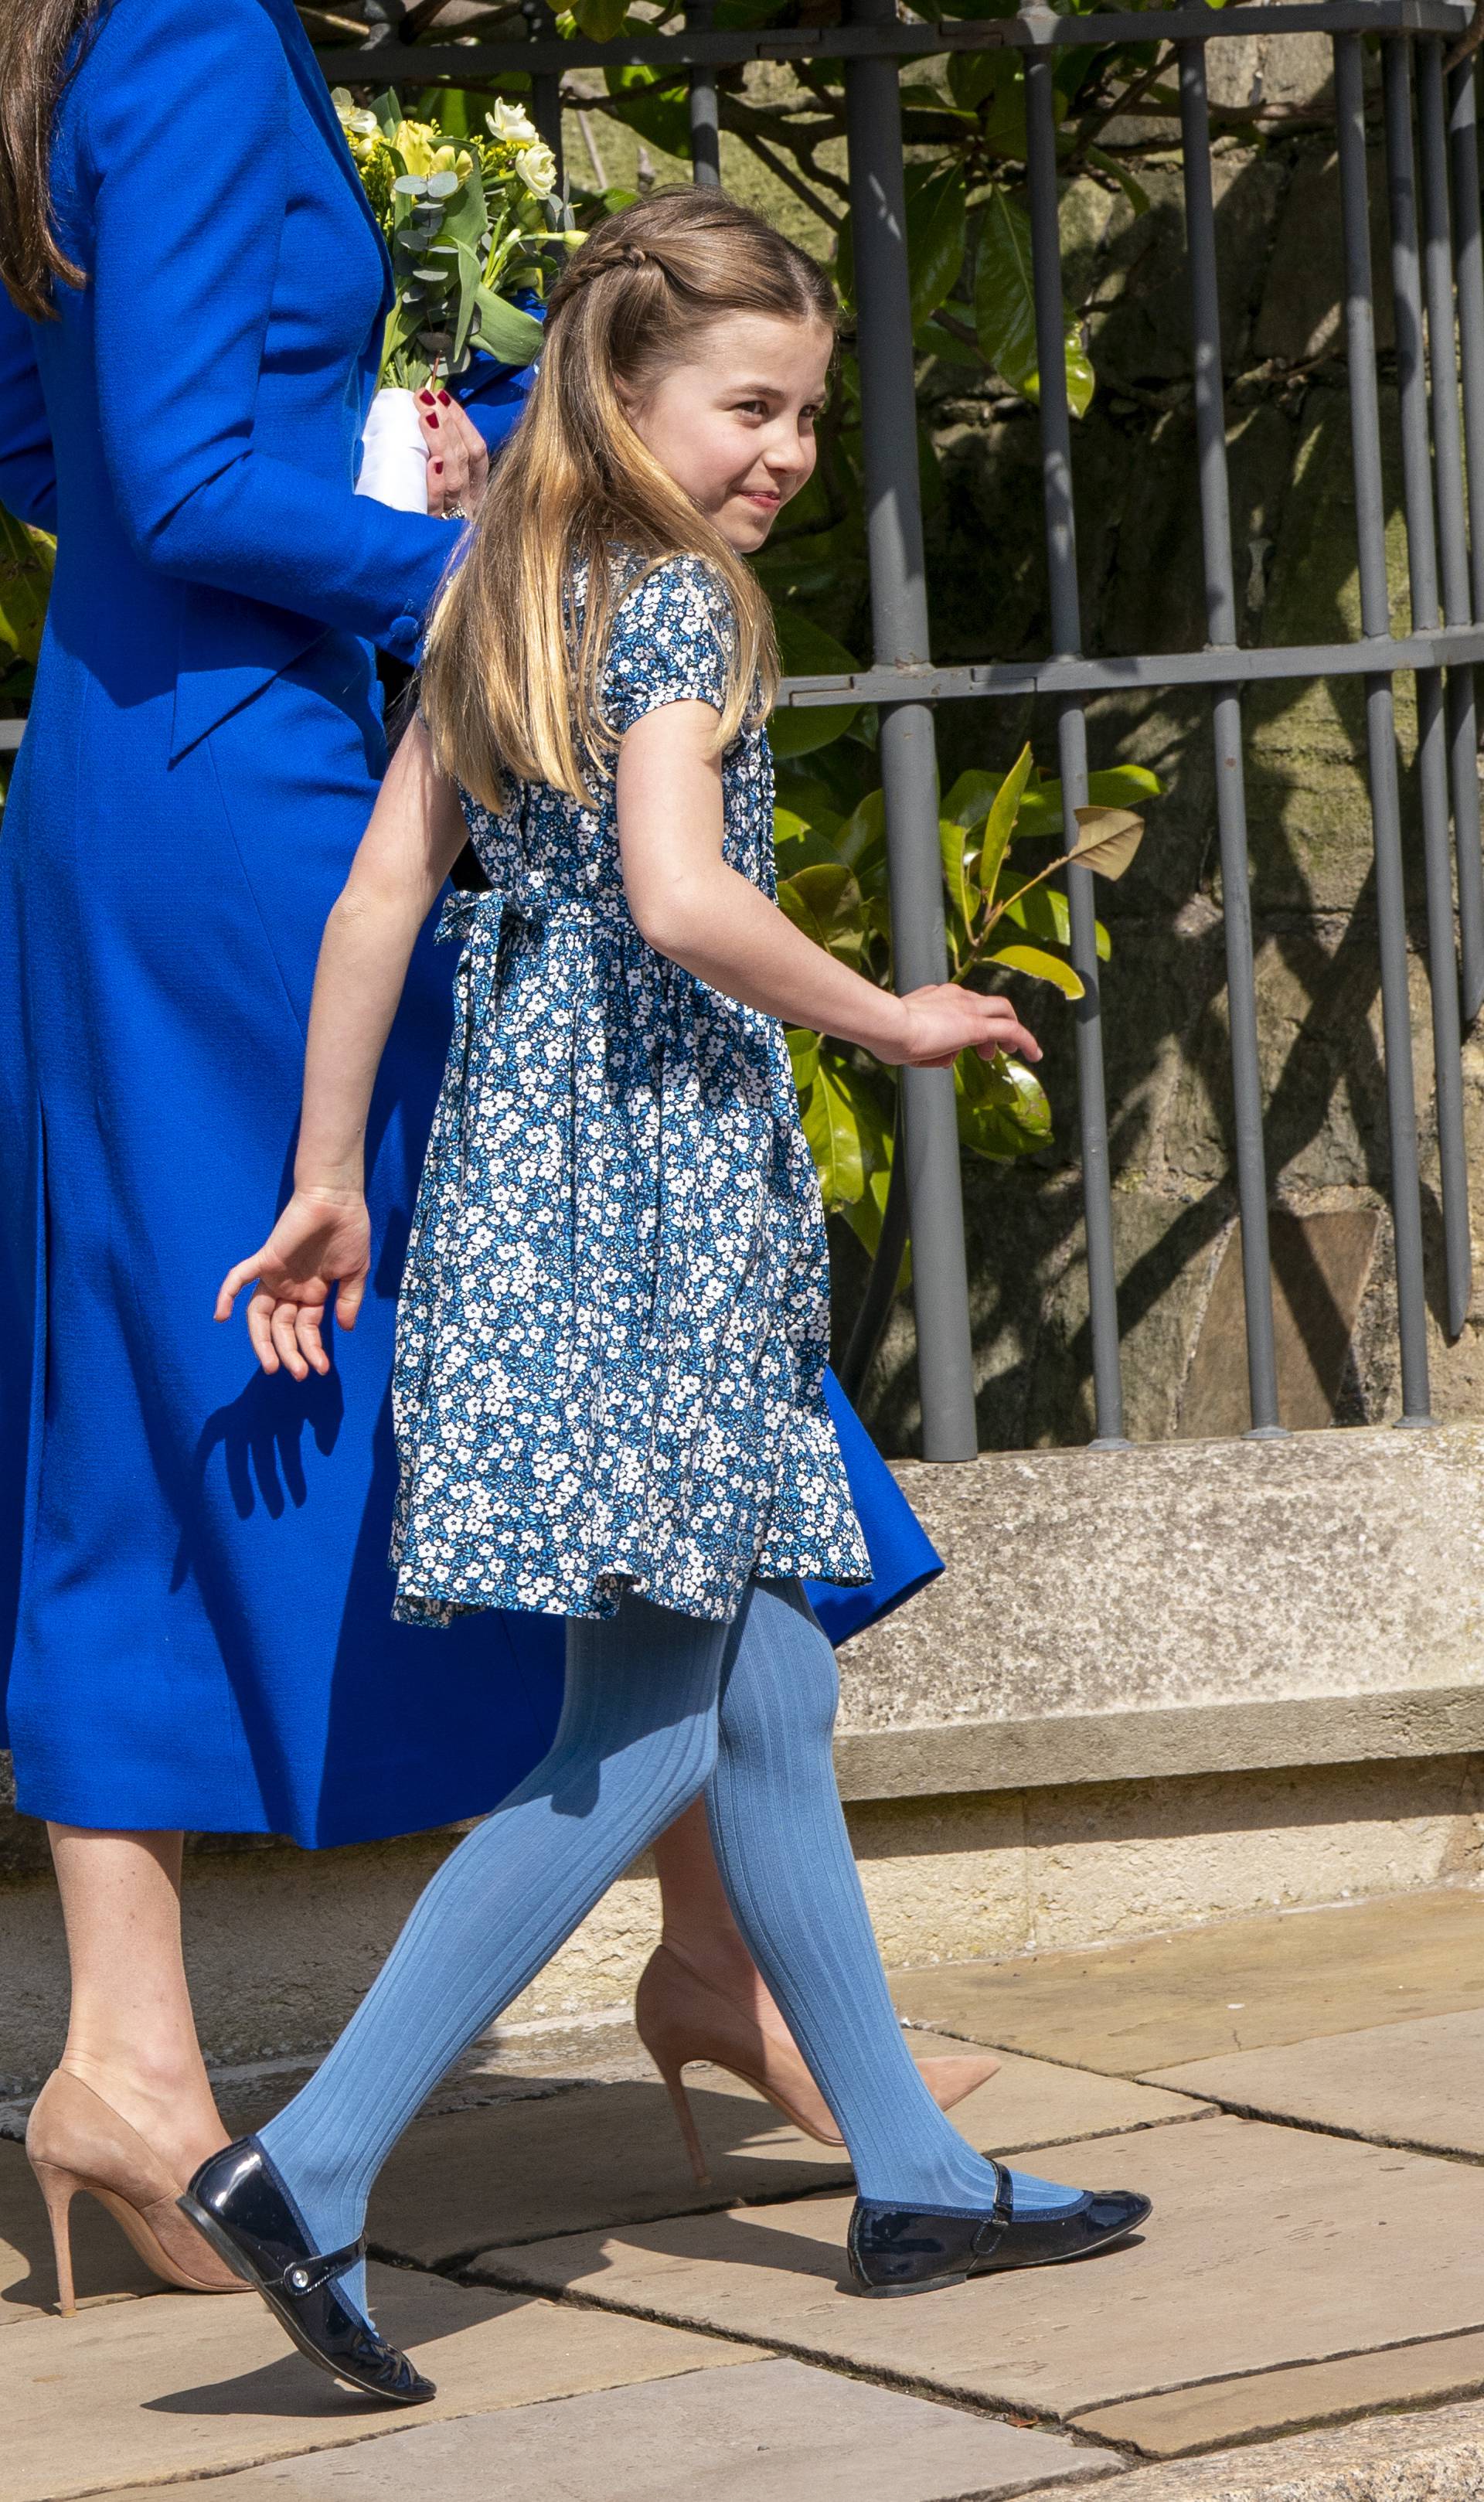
(476,2180)
(188,2384)
(1269,2247)
(1265,2403)
(1416,2083)
(105,2267)
(1236,1986)
(1437,2458)
(767,2432)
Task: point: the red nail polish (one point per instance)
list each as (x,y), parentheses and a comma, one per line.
(437,468)
(444,400)
(432,421)
(427,397)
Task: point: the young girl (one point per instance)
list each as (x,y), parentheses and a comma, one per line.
(613,1317)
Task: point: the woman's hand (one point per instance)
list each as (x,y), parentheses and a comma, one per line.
(320,1249)
(943,1019)
(458,462)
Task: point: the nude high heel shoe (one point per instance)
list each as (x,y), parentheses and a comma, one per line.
(681,2016)
(77,2141)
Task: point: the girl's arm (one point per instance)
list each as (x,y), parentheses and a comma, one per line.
(322,1244)
(691,908)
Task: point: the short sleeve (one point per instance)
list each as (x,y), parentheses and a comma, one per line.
(671,642)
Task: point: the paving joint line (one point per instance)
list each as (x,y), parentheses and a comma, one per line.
(997,2409)
(1355,2136)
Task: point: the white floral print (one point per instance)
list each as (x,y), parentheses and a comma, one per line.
(614,1323)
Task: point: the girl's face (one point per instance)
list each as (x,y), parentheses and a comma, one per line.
(734,424)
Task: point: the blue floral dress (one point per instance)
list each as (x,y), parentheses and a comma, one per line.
(614,1320)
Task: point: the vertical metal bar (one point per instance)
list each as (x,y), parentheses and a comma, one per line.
(1381,731)
(908,758)
(1226,723)
(1071,738)
(1459,733)
(546,84)
(705,110)
(1464,760)
(1422,557)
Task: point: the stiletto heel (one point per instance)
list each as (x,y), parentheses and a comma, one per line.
(75,2141)
(59,2189)
(681,2015)
(674,2083)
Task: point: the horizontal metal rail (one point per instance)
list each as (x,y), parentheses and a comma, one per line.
(719,47)
(1226,666)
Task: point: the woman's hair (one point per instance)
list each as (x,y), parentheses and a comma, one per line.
(37,37)
(511,679)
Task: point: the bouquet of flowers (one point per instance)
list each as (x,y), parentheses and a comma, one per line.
(477,235)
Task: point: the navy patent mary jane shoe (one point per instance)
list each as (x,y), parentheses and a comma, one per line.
(239,2200)
(905,2249)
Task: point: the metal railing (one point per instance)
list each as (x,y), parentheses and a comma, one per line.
(1438,278)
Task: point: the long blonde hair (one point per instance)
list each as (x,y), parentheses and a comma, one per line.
(512,674)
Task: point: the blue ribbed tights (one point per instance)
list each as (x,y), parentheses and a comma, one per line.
(658,1707)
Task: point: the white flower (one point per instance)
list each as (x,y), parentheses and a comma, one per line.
(537,168)
(510,124)
(354,120)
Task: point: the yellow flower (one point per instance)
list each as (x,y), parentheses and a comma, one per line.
(537,168)
(416,143)
(511,124)
(450,160)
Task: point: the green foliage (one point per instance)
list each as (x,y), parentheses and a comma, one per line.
(26,560)
(832,883)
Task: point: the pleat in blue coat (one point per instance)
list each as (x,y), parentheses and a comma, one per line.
(194,1595)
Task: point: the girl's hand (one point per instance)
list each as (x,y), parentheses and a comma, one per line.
(319,1248)
(458,460)
(943,1019)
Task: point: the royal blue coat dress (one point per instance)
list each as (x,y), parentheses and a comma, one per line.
(195,1592)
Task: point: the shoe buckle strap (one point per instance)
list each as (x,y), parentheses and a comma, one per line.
(307,2276)
(999,2217)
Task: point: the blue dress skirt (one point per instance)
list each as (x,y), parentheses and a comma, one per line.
(194,1593)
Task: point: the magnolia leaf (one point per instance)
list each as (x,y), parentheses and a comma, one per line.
(1041,966)
(833,1132)
(600,20)
(1005,307)
(953,842)
(1109,839)
(863,841)
(804,1053)
(1118,785)
(1133,190)
(936,238)
(809,651)
(1000,825)
(27,557)
(1043,912)
(972,798)
(823,900)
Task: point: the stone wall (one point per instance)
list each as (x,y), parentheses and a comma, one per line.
(1312,873)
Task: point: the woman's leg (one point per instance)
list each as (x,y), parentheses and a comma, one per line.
(697,1921)
(636,1744)
(131,2035)
(784,1857)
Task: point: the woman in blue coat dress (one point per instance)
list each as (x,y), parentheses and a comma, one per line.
(194,1557)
